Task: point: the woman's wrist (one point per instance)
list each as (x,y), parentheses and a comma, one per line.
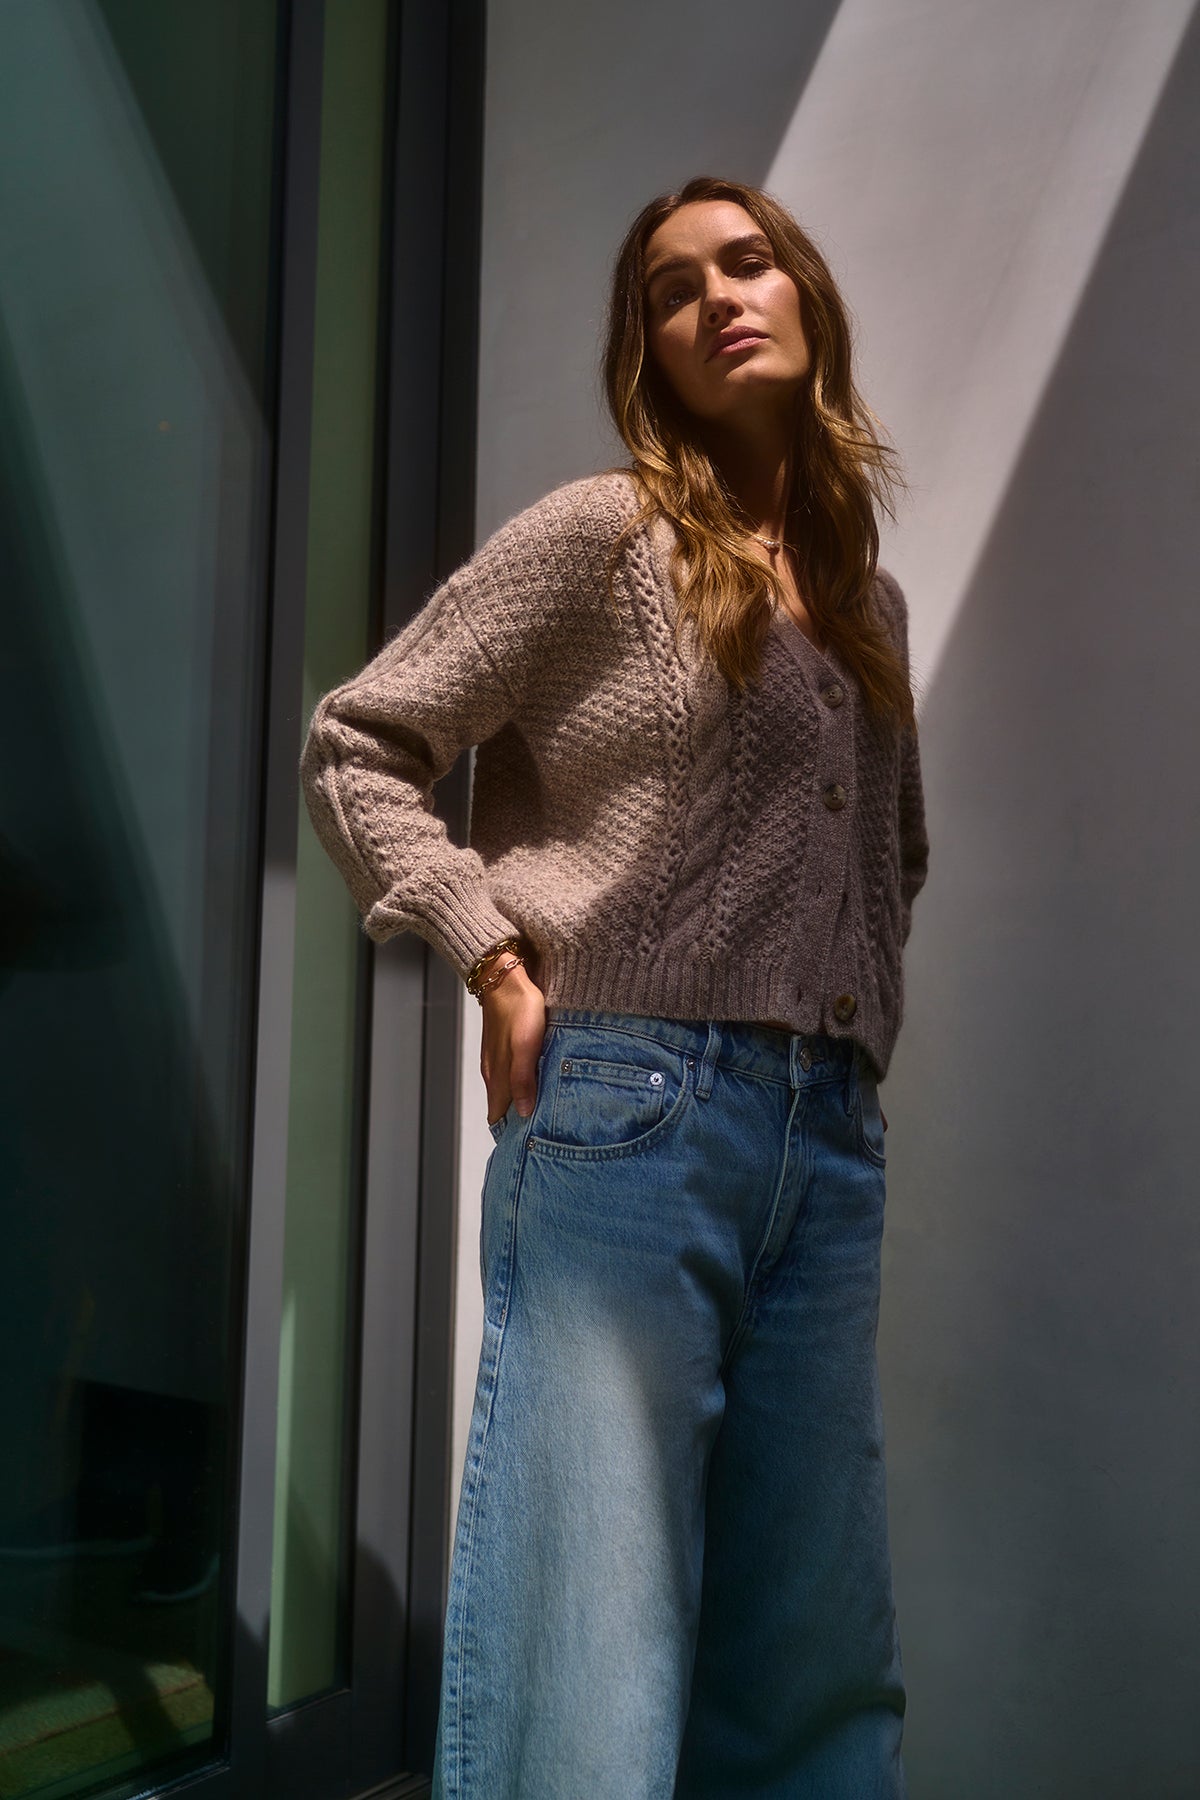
(485,965)
(497,972)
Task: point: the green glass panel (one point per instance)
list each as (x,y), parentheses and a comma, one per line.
(136,181)
(309,1579)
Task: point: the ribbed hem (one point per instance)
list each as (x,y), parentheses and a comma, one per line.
(596,981)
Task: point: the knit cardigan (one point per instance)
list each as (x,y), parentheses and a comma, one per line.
(663,844)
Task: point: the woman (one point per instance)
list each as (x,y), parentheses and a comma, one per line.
(697,834)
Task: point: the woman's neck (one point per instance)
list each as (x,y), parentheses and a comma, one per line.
(756,466)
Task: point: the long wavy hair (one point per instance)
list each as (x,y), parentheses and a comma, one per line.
(841,469)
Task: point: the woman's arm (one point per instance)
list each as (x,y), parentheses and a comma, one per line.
(374,749)
(451,679)
(914,841)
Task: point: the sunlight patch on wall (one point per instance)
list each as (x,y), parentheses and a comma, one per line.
(960,164)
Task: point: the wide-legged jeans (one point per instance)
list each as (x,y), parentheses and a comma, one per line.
(671,1571)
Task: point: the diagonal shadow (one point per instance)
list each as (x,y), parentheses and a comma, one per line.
(1038,1343)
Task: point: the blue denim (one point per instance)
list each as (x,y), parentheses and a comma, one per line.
(670,1571)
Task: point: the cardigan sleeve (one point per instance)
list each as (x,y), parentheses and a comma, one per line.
(449,680)
(375,747)
(914,840)
(913,837)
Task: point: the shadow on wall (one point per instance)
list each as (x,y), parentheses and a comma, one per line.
(701,92)
(1038,1342)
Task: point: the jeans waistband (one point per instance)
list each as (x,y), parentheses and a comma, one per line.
(793,1058)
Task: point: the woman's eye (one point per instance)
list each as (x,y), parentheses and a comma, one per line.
(673,297)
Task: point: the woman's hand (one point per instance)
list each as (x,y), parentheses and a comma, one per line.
(514,1025)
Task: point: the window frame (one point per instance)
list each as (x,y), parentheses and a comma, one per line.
(374,1736)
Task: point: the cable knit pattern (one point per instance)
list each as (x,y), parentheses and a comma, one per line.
(719,934)
(663,845)
(645,595)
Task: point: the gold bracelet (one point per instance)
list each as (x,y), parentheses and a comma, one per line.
(497,976)
(477,967)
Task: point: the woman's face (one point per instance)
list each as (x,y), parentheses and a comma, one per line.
(723,319)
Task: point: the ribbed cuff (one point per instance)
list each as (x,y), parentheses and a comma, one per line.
(458,920)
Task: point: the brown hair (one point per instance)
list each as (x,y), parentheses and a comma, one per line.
(841,470)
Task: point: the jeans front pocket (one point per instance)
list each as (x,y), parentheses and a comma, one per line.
(607,1091)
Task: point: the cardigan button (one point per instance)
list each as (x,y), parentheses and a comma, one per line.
(845,1007)
(834,796)
(834,694)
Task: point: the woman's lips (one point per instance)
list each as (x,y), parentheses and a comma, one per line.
(744,342)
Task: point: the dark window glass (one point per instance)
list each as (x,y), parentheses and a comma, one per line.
(136,283)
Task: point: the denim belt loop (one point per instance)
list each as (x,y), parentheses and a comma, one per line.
(708,1062)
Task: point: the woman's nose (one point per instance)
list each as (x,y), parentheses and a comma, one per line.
(719,304)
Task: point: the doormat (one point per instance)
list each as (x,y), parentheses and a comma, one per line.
(69,1731)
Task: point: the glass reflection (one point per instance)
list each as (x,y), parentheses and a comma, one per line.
(135,209)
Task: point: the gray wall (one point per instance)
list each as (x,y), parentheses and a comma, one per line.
(1010,199)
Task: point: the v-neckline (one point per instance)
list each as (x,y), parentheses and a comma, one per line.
(661,534)
(793,637)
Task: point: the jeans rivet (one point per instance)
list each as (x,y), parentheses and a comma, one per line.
(691,1062)
(656,1079)
(566,1068)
